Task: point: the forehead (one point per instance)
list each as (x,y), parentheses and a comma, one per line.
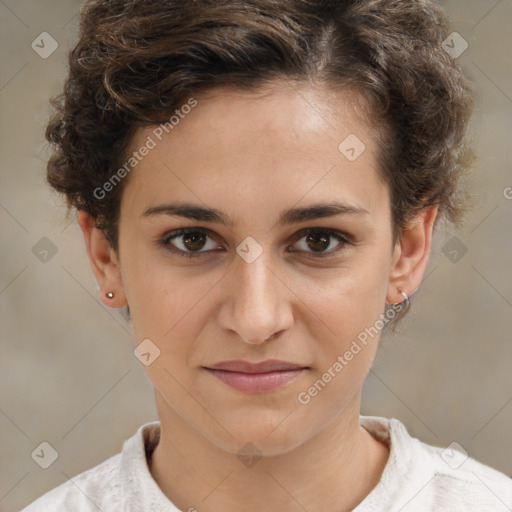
(276,144)
(281,107)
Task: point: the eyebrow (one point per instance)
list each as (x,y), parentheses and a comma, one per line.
(287,217)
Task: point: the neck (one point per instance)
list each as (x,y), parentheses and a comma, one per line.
(333,470)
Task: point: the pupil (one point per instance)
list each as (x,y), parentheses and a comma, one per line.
(324,241)
(194,237)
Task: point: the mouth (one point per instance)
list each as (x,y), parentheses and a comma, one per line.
(256,377)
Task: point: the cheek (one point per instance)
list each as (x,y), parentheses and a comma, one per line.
(351,298)
(351,309)
(169,304)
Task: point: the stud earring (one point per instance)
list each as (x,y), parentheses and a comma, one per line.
(110,295)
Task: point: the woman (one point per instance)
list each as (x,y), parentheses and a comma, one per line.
(259,182)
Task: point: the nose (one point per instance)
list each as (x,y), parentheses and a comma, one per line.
(257,305)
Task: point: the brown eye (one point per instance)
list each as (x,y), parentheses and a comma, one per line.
(189,242)
(317,241)
(194,240)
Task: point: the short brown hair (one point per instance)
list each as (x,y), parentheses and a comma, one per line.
(137,61)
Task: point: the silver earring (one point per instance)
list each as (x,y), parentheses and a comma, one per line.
(110,295)
(406,298)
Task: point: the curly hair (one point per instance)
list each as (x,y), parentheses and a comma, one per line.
(137,61)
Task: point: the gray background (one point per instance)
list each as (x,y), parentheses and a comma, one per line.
(68,373)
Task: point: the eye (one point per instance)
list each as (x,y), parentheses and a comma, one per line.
(190,239)
(193,242)
(320,239)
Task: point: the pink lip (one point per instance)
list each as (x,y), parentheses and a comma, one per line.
(256,377)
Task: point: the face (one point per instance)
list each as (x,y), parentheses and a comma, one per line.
(275,280)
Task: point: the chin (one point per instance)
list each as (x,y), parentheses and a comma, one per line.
(266,431)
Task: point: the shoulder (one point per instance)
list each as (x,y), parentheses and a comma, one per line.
(92,490)
(106,486)
(460,479)
(421,477)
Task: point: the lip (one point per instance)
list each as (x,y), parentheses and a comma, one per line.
(269,365)
(256,377)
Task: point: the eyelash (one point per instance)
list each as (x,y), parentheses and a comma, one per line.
(343,239)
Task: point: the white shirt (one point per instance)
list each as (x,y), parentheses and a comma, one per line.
(417,478)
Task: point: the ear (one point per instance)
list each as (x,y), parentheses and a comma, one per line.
(104,262)
(411,255)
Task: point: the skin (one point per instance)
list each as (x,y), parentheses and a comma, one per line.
(254,155)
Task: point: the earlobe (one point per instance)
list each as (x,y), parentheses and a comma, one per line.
(104,263)
(411,255)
